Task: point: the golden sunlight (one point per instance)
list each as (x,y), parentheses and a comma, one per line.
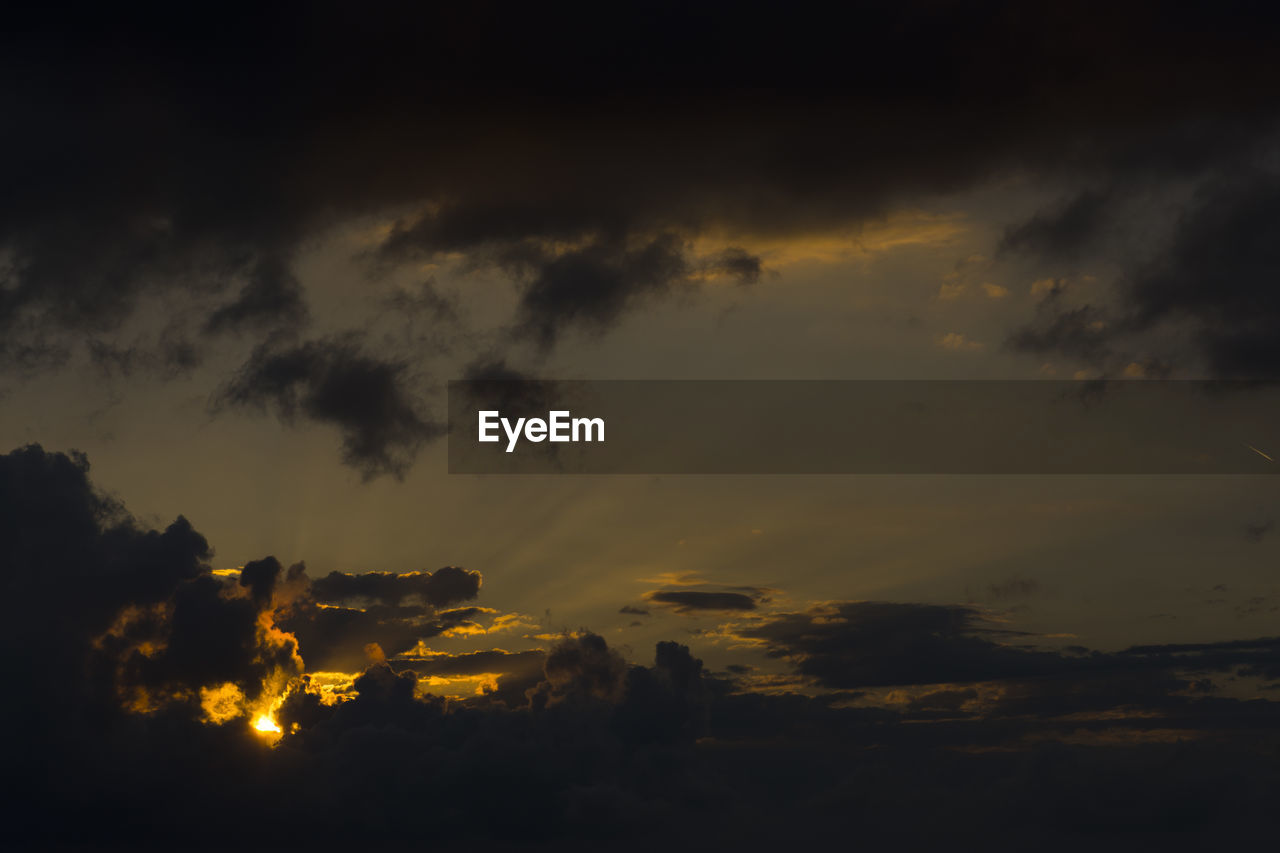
(266,725)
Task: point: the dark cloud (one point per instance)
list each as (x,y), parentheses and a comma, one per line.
(693,600)
(737,263)
(592,286)
(1075,331)
(633,610)
(123,616)
(687,601)
(1201,300)
(583,668)
(1217,277)
(476,663)
(259,577)
(207,639)
(519,674)
(588,286)
(853,645)
(59,533)
(336,382)
(497,384)
(1062,230)
(860,644)
(440,588)
(271,297)
(338,638)
(336,618)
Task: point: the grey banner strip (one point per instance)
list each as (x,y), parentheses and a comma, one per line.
(863,427)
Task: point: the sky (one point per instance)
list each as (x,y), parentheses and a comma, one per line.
(243,251)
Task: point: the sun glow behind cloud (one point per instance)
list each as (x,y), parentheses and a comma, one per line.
(266,725)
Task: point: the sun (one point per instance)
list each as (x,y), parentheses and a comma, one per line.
(266,725)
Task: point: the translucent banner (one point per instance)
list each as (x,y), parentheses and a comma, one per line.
(863,427)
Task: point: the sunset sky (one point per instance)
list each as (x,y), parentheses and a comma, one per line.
(242,253)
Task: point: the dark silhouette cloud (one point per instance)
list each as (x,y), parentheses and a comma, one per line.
(593,286)
(205,639)
(69,549)
(855,645)
(583,668)
(336,382)
(688,601)
(861,644)
(587,286)
(519,674)
(476,663)
(336,637)
(125,617)
(708,597)
(440,588)
(259,577)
